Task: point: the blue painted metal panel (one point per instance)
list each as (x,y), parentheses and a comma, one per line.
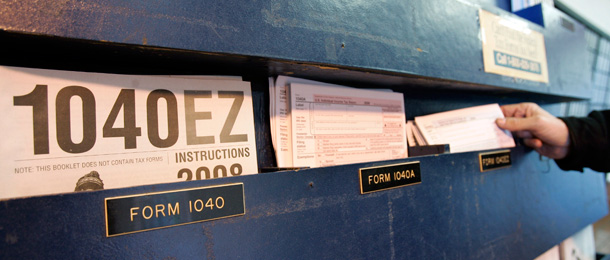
(411,38)
(561,32)
(417,46)
(533,13)
(456,212)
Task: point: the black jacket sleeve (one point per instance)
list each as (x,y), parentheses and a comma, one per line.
(589,142)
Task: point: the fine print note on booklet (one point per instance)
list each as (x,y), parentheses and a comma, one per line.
(467,129)
(69,131)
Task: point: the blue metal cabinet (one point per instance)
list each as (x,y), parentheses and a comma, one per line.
(429,39)
(429,50)
(456,212)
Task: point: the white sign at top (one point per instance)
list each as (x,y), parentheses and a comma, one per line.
(511,49)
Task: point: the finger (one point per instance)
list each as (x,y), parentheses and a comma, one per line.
(516,110)
(553,152)
(509,110)
(524,134)
(533,143)
(516,124)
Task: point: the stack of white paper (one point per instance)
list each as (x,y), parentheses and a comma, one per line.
(414,136)
(315,124)
(69,131)
(467,129)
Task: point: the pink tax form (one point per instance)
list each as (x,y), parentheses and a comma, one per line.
(467,129)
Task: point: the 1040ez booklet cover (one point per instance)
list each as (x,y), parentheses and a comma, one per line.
(68,131)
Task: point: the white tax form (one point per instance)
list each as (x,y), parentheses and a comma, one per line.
(467,129)
(332,126)
(280,113)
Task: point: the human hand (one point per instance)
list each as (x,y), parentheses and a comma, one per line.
(547,134)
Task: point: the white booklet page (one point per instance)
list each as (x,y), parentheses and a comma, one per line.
(67,131)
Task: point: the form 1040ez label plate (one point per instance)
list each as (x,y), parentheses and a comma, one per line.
(494,160)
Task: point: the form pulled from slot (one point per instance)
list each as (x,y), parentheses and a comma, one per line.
(464,130)
(317,124)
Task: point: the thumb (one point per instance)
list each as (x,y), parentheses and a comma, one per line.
(515,124)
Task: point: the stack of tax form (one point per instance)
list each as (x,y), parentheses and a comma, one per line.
(467,129)
(315,124)
(67,131)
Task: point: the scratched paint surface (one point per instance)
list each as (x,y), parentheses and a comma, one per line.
(455,213)
(422,38)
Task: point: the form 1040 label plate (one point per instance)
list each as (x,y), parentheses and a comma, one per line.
(136,213)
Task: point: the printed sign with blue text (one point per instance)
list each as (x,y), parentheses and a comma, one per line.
(511,48)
